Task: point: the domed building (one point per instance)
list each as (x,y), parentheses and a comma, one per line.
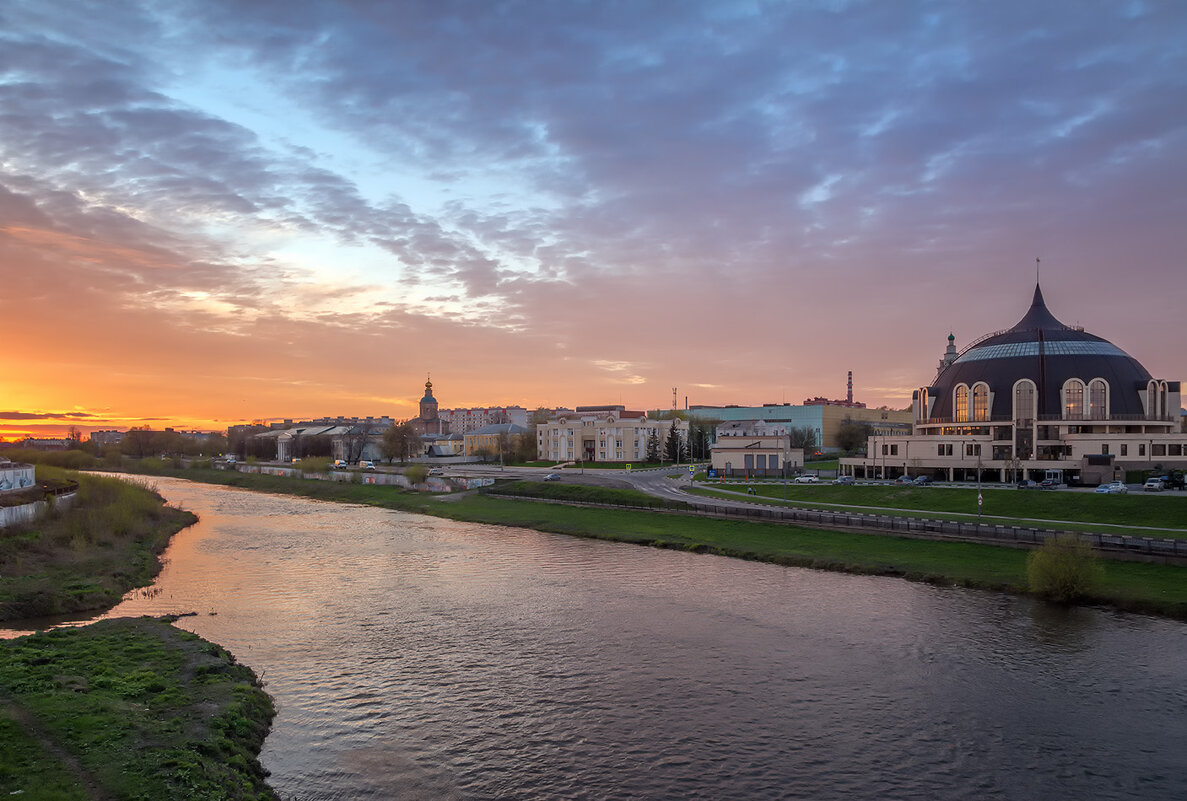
(428,422)
(1038,400)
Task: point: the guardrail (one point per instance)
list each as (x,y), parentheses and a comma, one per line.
(1119,545)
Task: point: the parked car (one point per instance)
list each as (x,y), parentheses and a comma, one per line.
(921,480)
(366,465)
(552,477)
(436,471)
(1114,488)
(1027,483)
(807,480)
(904,480)
(1048,483)
(845,480)
(1154,485)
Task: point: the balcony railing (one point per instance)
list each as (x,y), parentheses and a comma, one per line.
(1051,418)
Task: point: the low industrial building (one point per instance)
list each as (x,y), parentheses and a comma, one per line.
(824,419)
(755,449)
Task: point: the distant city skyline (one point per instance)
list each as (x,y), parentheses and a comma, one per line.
(214,212)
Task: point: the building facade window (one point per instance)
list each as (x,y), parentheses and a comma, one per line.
(960,409)
(981,402)
(1124,450)
(1142,449)
(1098,397)
(1024,400)
(1073,399)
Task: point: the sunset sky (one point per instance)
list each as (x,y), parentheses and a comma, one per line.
(219,211)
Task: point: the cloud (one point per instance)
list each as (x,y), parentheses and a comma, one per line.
(735,199)
(45,415)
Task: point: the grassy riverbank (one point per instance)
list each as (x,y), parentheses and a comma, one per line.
(1164,511)
(129,708)
(86,557)
(1158,589)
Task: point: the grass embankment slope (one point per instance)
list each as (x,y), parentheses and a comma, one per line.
(1158,589)
(1086,511)
(86,557)
(121,708)
(129,708)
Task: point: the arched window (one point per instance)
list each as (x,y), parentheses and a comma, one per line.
(1163,400)
(1073,399)
(1098,399)
(1152,400)
(960,410)
(981,402)
(1024,400)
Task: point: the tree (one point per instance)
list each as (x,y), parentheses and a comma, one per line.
(653,445)
(400,442)
(213,444)
(674,445)
(137,443)
(701,435)
(803,437)
(852,434)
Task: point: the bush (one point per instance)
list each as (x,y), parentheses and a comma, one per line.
(315,464)
(416,473)
(1063,569)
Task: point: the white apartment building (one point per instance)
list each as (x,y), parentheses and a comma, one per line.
(602,434)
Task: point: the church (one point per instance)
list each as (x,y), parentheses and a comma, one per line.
(1038,400)
(429,422)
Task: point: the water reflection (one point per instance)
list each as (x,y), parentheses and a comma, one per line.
(414,657)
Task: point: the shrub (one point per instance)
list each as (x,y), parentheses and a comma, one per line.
(416,474)
(315,464)
(1063,569)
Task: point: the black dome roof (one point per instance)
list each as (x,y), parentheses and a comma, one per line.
(1047,352)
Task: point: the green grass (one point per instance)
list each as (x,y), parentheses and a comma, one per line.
(582,493)
(85,557)
(823,464)
(1022,506)
(1152,588)
(129,708)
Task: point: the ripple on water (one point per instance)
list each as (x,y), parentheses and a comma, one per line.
(415,658)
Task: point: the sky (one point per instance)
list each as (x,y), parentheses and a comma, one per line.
(220,211)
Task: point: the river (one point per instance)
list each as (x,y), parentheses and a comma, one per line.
(418,658)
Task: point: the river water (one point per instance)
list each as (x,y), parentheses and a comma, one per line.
(418,658)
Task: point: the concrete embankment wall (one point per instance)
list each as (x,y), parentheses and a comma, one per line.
(12,515)
(433,483)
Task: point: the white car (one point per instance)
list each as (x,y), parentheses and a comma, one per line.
(807,480)
(1115,488)
(366,465)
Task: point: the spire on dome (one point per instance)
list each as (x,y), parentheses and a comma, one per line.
(1037,317)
